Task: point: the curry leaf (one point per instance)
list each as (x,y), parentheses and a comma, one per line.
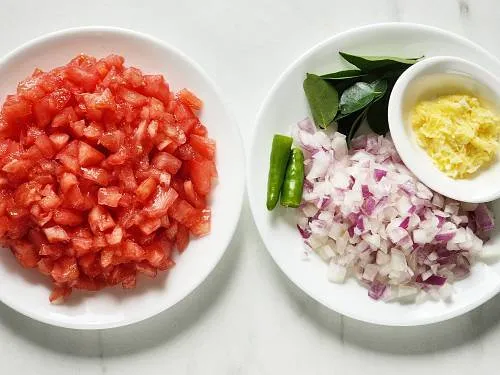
(323,100)
(377,116)
(360,95)
(376,63)
(344,74)
(355,126)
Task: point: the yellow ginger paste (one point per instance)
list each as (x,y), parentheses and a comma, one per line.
(457,132)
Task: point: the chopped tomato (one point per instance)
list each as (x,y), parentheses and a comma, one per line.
(109,196)
(188,98)
(103,171)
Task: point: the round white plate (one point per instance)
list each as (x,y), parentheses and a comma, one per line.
(26,290)
(285,106)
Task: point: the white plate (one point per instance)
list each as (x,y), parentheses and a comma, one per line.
(285,106)
(25,290)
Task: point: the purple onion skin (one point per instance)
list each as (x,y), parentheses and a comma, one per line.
(433,280)
(377,289)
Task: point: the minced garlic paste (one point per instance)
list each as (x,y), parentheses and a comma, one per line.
(457,132)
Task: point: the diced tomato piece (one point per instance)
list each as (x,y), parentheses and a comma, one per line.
(107,257)
(90,264)
(59,140)
(201,172)
(102,68)
(182,238)
(171,231)
(30,89)
(16,109)
(126,200)
(199,129)
(192,196)
(56,234)
(133,76)
(75,199)
(67,181)
(98,175)
(146,269)
(133,251)
(185,152)
(115,237)
(45,145)
(100,220)
(154,255)
(50,199)
(82,246)
(129,282)
(202,145)
(160,203)
(25,253)
(39,216)
(45,266)
(65,270)
(109,196)
(32,133)
(202,227)
(184,213)
(188,98)
(77,128)
(100,241)
(118,158)
(149,226)
(93,132)
(59,294)
(146,188)
(64,118)
(127,179)
(87,155)
(114,61)
(112,140)
(64,216)
(18,167)
(155,85)
(183,112)
(58,99)
(86,283)
(27,193)
(166,264)
(167,162)
(53,251)
(104,100)
(188,125)
(132,97)
(82,78)
(175,133)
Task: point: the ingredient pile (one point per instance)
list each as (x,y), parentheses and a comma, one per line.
(359,208)
(103,173)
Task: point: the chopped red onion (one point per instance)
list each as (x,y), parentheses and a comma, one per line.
(377,289)
(367,215)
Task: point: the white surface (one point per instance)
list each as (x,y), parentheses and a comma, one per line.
(285,105)
(247,318)
(27,291)
(428,79)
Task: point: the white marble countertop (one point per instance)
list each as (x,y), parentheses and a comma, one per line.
(247,318)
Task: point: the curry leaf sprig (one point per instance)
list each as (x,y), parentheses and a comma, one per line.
(351,96)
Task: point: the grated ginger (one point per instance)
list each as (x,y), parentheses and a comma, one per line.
(457,132)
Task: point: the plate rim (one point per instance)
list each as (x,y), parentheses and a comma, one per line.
(279,81)
(240,184)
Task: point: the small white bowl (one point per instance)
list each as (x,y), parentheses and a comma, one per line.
(26,290)
(430,78)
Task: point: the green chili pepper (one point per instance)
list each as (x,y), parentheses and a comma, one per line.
(291,192)
(280,153)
